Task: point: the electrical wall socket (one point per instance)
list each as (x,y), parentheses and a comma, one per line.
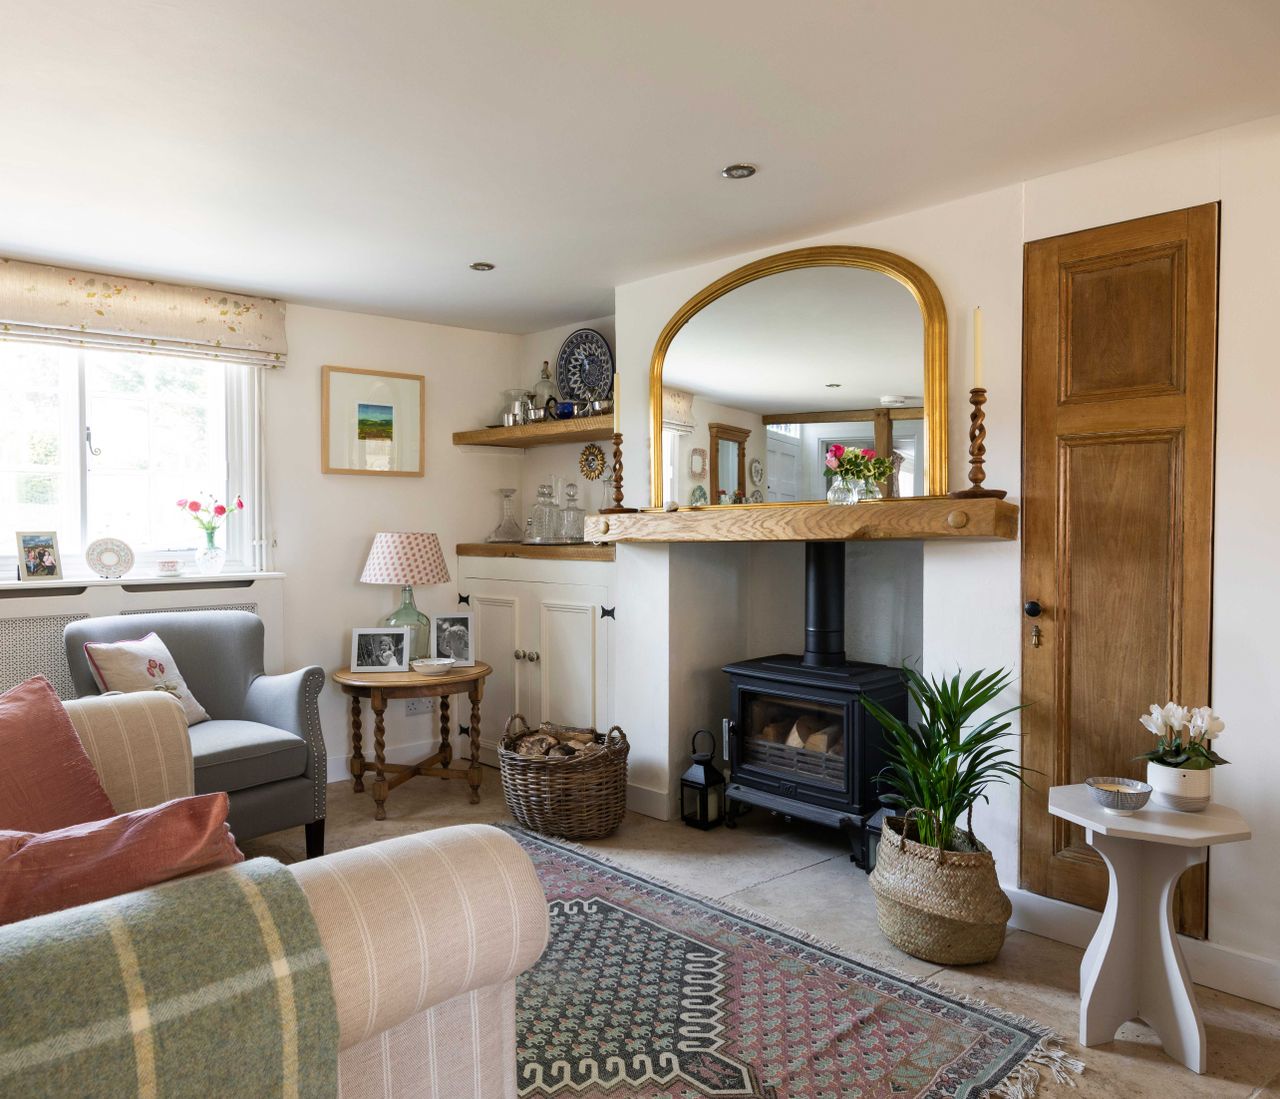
(414,706)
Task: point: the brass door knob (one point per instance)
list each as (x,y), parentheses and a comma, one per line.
(519,654)
(534,657)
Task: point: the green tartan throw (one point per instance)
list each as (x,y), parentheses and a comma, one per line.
(214,985)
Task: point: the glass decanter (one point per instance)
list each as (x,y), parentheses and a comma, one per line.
(545,390)
(545,519)
(508,530)
(572,517)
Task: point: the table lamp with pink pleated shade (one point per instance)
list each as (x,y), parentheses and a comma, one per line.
(408,559)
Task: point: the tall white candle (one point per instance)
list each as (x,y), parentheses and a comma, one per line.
(977,347)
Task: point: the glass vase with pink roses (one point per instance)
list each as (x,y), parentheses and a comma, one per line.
(210,514)
(855,474)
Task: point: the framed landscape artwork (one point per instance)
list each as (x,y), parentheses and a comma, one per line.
(372,422)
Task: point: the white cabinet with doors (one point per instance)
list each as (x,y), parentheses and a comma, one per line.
(546,627)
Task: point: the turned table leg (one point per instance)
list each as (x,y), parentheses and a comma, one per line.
(446,749)
(357,756)
(1134,967)
(379,705)
(476,693)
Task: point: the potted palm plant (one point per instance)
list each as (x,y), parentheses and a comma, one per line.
(937,894)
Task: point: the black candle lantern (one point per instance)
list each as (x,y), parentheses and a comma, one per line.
(702,788)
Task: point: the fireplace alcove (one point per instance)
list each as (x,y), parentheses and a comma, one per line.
(799,742)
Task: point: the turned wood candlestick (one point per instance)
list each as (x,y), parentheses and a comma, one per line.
(977,451)
(617,508)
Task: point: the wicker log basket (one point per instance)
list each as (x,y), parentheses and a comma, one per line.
(942,906)
(577,797)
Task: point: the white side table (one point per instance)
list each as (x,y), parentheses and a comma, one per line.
(1134,968)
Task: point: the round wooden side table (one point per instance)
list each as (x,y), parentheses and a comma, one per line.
(379,688)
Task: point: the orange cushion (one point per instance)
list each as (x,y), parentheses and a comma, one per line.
(46,780)
(88,862)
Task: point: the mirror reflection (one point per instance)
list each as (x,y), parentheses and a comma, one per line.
(759,384)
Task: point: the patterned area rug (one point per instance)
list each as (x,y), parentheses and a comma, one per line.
(646,991)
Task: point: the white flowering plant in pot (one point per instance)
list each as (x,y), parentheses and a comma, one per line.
(1180,766)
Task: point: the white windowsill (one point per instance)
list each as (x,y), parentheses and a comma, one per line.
(187,579)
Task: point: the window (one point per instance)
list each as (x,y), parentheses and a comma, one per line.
(98,443)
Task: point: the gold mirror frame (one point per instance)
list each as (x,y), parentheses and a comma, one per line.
(914,278)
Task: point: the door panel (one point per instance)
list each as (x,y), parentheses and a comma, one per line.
(1118,389)
(497,630)
(568,662)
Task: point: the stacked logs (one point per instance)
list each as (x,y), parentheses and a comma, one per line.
(809,732)
(563,743)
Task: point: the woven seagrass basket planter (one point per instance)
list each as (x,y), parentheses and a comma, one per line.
(582,797)
(942,906)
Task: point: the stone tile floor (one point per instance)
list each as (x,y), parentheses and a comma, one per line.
(802,877)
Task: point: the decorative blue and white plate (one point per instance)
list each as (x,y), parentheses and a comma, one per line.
(584,367)
(756,497)
(698,497)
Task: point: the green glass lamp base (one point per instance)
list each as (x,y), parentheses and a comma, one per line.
(407,614)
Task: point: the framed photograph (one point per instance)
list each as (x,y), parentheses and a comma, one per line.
(372,422)
(380,649)
(38,556)
(455,637)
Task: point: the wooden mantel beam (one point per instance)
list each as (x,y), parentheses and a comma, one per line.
(908,519)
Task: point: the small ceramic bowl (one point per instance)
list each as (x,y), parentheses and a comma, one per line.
(434,666)
(1122,796)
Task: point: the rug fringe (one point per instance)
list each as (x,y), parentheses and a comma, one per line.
(1021,1083)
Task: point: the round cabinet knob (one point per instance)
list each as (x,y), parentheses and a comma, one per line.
(534,657)
(519,654)
(1032,609)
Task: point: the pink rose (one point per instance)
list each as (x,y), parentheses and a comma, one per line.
(239,504)
(836,451)
(867,453)
(183,502)
(219,511)
(831,462)
(194,505)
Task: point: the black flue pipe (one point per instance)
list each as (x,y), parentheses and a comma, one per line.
(823,604)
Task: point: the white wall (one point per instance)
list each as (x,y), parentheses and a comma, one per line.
(971,593)
(323,523)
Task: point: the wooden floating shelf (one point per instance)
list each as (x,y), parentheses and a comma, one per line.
(579,551)
(582,429)
(922,517)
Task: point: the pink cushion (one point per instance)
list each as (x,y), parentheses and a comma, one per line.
(46,872)
(46,779)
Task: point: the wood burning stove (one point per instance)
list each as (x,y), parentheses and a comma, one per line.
(799,742)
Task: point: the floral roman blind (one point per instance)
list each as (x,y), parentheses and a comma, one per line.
(677,409)
(58,305)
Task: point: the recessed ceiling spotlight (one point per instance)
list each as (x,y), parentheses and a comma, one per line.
(834,385)
(738,171)
(481,265)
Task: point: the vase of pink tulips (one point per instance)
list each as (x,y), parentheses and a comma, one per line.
(855,474)
(210,514)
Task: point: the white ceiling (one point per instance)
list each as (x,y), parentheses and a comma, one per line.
(773,345)
(362,154)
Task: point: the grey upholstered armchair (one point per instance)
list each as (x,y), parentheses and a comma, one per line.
(263,744)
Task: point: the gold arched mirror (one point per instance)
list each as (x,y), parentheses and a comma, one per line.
(789,355)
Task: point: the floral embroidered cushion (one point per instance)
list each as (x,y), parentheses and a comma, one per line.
(142,665)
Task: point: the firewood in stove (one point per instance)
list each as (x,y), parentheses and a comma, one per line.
(824,740)
(775,732)
(806,726)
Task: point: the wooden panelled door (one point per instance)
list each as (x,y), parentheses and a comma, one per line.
(1119,359)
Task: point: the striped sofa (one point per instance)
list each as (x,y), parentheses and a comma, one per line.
(425,933)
